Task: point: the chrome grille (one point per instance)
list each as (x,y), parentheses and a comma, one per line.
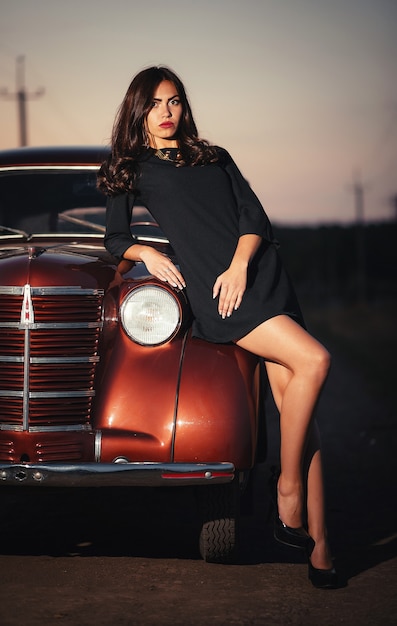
(48,356)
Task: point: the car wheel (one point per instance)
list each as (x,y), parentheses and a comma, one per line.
(219,507)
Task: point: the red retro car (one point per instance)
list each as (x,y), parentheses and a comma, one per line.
(101,382)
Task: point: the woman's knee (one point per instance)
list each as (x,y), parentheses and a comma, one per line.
(321,362)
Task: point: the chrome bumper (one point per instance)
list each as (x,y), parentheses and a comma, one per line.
(115,474)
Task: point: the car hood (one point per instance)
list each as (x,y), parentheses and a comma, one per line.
(70,264)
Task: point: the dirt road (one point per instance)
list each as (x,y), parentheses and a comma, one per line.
(131,559)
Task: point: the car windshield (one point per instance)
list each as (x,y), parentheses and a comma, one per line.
(60,200)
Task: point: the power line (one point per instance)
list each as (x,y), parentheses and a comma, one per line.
(21,96)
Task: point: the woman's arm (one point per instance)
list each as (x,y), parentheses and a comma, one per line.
(231,284)
(121,244)
(157,263)
(254,226)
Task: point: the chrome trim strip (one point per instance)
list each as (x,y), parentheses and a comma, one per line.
(66,291)
(65,359)
(6,393)
(54,359)
(26,370)
(115,474)
(62,394)
(11,291)
(16,325)
(60,429)
(52,291)
(65,325)
(48,429)
(40,326)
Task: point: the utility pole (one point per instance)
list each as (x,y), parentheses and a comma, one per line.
(21,96)
(358,191)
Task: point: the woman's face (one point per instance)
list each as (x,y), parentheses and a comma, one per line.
(163,119)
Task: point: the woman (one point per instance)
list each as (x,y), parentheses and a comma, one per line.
(238,290)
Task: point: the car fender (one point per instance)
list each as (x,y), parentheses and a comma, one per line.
(217,405)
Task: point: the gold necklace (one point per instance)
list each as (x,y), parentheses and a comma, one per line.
(166,155)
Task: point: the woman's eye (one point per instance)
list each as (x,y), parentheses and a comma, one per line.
(175,102)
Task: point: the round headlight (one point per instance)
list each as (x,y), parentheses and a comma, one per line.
(150,315)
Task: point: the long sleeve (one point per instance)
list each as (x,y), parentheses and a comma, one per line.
(252,217)
(118,235)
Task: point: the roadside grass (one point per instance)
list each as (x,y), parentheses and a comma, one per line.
(366,335)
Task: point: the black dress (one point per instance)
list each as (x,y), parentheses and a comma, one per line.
(203,210)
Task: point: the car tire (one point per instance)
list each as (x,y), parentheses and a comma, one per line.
(219,507)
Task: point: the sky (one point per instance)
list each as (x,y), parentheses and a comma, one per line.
(302,93)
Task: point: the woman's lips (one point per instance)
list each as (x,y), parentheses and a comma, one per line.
(167,125)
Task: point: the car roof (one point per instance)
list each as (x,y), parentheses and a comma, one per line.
(54,155)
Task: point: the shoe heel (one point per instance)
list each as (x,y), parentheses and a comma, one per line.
(293,537)
(323,578)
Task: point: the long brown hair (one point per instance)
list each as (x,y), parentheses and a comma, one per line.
(129,140)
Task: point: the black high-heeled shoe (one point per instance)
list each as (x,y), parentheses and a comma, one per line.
(323,578)
(293,537)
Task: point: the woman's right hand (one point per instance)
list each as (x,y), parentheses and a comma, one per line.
(161,266)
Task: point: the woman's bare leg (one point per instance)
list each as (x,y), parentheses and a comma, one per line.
(279,377)
(321,556)
(297,366)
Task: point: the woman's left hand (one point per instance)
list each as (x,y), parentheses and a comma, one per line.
(230,286)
